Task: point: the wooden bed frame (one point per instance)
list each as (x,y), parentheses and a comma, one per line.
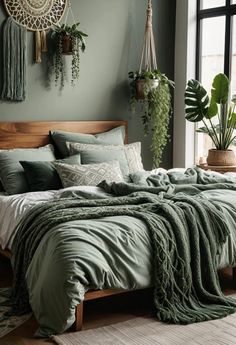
(36,134)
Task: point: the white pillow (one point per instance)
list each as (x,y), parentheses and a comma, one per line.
(88,174)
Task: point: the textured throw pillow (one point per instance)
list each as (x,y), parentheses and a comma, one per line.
(12,174)
(129,156)
(43,175)
(115,136)
(88,175)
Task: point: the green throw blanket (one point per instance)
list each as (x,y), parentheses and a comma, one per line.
(187,233)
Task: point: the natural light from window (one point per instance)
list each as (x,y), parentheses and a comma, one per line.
(213,57)
(211,3)
(212,63)
(212,49)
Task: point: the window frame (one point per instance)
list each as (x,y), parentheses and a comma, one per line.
(229,10)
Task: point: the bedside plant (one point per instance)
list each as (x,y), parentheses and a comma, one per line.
(151,89)
(68,41)
(217,114)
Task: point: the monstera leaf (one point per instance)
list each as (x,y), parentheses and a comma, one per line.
(220,89)
(196,101)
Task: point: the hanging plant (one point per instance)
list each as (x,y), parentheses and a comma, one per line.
(151,89)
(68,41)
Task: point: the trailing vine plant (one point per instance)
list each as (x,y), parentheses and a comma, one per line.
(77,42)
(156,105)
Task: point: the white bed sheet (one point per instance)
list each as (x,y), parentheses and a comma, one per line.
(14,207)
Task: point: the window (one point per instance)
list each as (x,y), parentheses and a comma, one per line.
(216,50)
(212,3)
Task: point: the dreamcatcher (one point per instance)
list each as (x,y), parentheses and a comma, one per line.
(38,16)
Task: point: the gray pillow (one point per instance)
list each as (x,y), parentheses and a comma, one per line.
(127,155)
(88,175)
(96,157)
(12,174)
(115,136)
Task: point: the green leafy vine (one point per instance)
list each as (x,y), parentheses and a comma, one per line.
(76,36)
(156,106)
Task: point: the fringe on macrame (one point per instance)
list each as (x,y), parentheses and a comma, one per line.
(14,61)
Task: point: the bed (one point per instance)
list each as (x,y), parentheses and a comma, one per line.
(35,134)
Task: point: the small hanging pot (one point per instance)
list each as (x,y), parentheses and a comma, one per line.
(143,87)
(67,44)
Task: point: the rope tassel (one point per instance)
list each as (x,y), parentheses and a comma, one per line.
(38,47)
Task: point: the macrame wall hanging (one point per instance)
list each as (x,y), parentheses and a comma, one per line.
(14,61)
(148,57)
(38,16)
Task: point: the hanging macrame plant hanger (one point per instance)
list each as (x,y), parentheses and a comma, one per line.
(148,58)
(66,40)
(37,16)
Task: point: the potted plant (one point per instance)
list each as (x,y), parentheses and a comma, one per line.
(68,41)
(151,89)
(217,114)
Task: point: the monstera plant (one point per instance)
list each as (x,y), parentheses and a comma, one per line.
(217,114)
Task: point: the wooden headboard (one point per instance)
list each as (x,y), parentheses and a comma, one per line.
(36,134)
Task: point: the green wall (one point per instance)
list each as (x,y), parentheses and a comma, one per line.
(115,29)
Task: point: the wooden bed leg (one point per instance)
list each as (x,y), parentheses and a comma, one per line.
(79,317)
(234,277)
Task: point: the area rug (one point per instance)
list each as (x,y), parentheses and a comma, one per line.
(147,331)
(8,323)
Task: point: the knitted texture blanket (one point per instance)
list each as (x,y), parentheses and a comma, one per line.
(187,234)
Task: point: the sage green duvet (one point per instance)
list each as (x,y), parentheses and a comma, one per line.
(116,252)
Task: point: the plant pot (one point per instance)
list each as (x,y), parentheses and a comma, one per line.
(145,86)
(66,43)
(221,157)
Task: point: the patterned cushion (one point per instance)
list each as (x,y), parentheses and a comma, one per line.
(88,175)
(132,153)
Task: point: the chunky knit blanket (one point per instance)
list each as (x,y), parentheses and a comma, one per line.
(187,234)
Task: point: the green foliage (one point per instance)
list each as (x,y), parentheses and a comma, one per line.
(196,100)
(78,43)
(199,107)
(156,107)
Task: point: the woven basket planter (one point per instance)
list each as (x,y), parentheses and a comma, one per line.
(221,157)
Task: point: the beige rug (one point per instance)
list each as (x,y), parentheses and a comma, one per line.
(146,331)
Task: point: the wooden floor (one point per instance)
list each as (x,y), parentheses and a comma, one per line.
(97,313)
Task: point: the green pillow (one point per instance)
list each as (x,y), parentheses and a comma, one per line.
(12,174)
(43,175)
(99,156)
(115,136)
